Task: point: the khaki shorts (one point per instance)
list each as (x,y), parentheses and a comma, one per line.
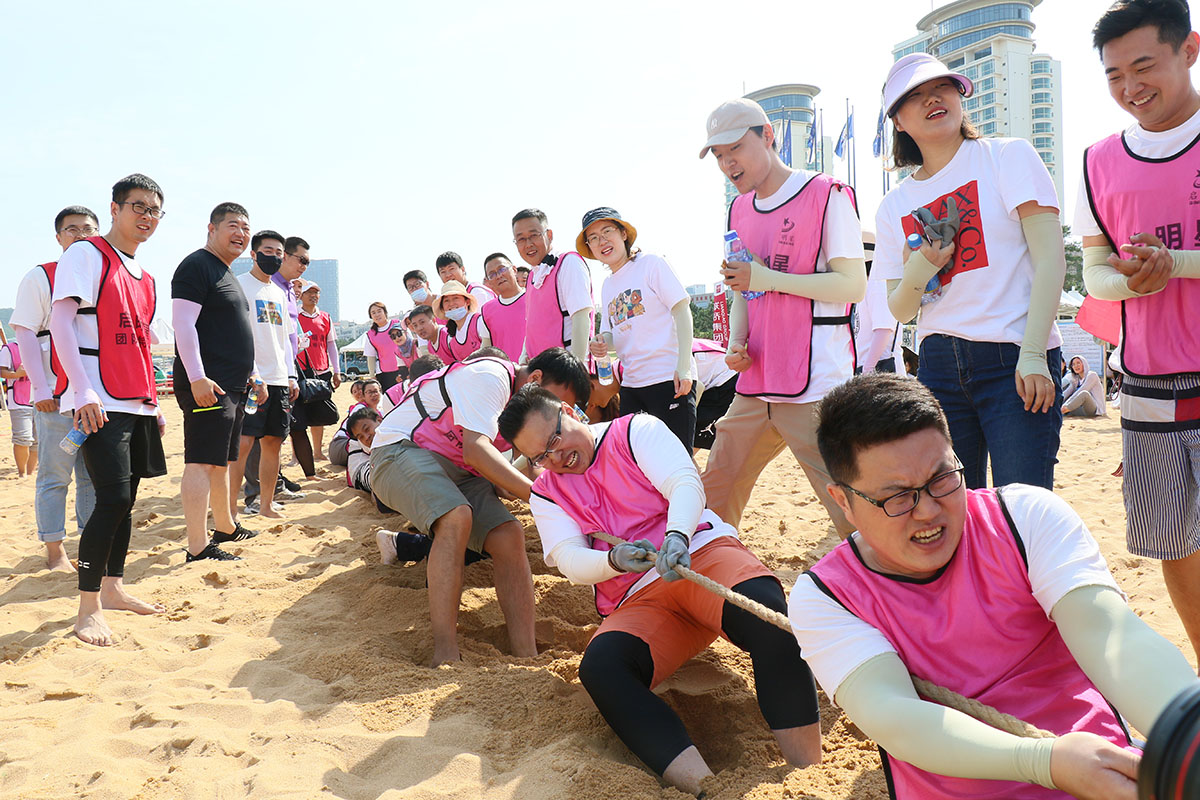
(425,486)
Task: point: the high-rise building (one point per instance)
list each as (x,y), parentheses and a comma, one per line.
(321,271)
(1018,91)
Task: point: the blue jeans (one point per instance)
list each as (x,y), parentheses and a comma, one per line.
(975,384)
(54,476)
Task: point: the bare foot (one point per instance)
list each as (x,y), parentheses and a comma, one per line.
(118,599)
(92,629)
(270,514)
(449,656)
(56,558)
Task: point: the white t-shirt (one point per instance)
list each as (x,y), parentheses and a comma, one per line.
(874,316)
(1144,143)
(482,293)
(987,300)
(574,286)
(478,392)
(635,306)
(1062,557)
(711,369)
(660,457)
(272,328)
(33,313)
(841,238)
(78,276)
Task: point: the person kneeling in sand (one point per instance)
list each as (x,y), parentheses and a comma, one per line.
(1000,595)
(633,479)
(437,458)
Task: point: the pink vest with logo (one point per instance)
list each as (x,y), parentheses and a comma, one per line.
(976,628)
(440,346)
(385,348)
(507,324)
(461,349)
(787,239)
(614,496)
(18,388)
(544,313)
(440,434)
(1128,194)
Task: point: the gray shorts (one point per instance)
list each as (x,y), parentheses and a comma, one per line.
(425,486)
(22,425)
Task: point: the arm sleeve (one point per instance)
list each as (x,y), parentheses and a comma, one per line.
(845,282)
(581,333)
(27,340)
(372,363)
(1101,279)
(682,314)
(1132,666)
(881,338)
(1187,264)
(879,697)
(1043,233)
(184,314)
(332,347)
(565,547)
(663,459)
(62,328)
(904,295)
(739,320)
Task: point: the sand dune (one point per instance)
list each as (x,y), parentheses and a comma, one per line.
(297,672)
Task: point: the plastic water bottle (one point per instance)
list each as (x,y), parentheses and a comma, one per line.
(252,399)
(735,251)
(604,370)
(73,441)
(583,417)
(933,289)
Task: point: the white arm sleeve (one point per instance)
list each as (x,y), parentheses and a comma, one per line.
(565,547)
(669,467)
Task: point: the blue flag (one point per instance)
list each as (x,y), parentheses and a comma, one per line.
(811,146)
(844,137)
(877,145)
(785,152)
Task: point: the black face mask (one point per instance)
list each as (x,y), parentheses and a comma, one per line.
(268,264)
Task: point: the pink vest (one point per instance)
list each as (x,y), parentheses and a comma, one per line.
(385,348)
(614,496)
(787,239)
(544,313)
(1159,333)
(461,349)
(472,286)
(18,388)
(507,325)
(395,393)
(975,628)
(706,346)
(440,434)
(440,346)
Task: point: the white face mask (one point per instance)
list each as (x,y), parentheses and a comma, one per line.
(420,294)
(457,314)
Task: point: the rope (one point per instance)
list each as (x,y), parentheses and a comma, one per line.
(930,691)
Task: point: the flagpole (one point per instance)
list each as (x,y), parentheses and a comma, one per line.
(821,142)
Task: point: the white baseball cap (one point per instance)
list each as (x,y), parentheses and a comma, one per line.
(306,285)
(731,121)
(911,71)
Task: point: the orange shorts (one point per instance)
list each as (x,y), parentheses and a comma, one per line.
(678,619)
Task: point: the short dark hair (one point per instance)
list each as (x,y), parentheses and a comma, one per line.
(531,213)
(292,242)
(424,365)
(368,381)
(528,399)
(875,408)
(560,366)
(414,274)
(421,309)
(523,268)
(447,258)
(129,183)
(759,130)
(356,386)
(488,351)
(225,209)
(71,211)
(358,416)
(496,255)
(1171,17)
(257,238)
(905,152)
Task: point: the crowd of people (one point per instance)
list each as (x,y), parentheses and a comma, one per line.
(509,390)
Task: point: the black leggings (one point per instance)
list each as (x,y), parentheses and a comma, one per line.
(659,400)
(617,668)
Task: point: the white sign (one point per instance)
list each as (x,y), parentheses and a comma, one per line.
(1078,342)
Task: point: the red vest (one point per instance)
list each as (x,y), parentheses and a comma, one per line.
(124,309)
(18,388)
(507,324)
(318,329)
(544,313)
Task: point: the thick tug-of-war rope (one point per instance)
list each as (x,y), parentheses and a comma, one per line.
(930,691)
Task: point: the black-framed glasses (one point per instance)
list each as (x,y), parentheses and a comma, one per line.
(80,230)
(141,209)
(551,445)
(304,260)
(901,503)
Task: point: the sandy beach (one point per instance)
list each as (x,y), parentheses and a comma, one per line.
(299,671)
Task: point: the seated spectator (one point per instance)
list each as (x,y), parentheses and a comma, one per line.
(1083,391)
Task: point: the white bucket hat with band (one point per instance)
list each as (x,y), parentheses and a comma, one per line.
(911,71)
(731,121)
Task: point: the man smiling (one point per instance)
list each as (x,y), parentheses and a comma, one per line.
(558,306)
(505,315)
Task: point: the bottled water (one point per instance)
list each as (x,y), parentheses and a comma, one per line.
(735,251)
(73,441)
(252,399)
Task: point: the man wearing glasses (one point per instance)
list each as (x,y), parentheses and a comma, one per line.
(558,309)
(31,322)
(1000,595)
(505,315)
(633,479)
(437,458)
(104,303)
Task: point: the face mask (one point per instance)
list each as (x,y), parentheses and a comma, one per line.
(420,295)
(268,264)
(457,314)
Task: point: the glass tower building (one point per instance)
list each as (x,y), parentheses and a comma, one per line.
(321,271)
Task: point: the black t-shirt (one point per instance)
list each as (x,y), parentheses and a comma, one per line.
(223,327)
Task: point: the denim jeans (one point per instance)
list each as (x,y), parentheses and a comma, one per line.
(975,384)
(54,476)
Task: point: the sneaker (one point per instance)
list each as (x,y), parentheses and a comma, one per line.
(252,508)
(239,534)
(386,540)
(211,552)
(285,494)
(289,484)
(402,546)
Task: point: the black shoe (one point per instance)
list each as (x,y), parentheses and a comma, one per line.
(239,534)
(289,484)
(211,551)
(412,546)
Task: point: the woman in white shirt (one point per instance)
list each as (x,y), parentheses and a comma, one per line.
(986,276)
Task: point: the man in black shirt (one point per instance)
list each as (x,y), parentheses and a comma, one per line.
(214,363)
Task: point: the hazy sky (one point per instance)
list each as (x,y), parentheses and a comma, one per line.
(385,133)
